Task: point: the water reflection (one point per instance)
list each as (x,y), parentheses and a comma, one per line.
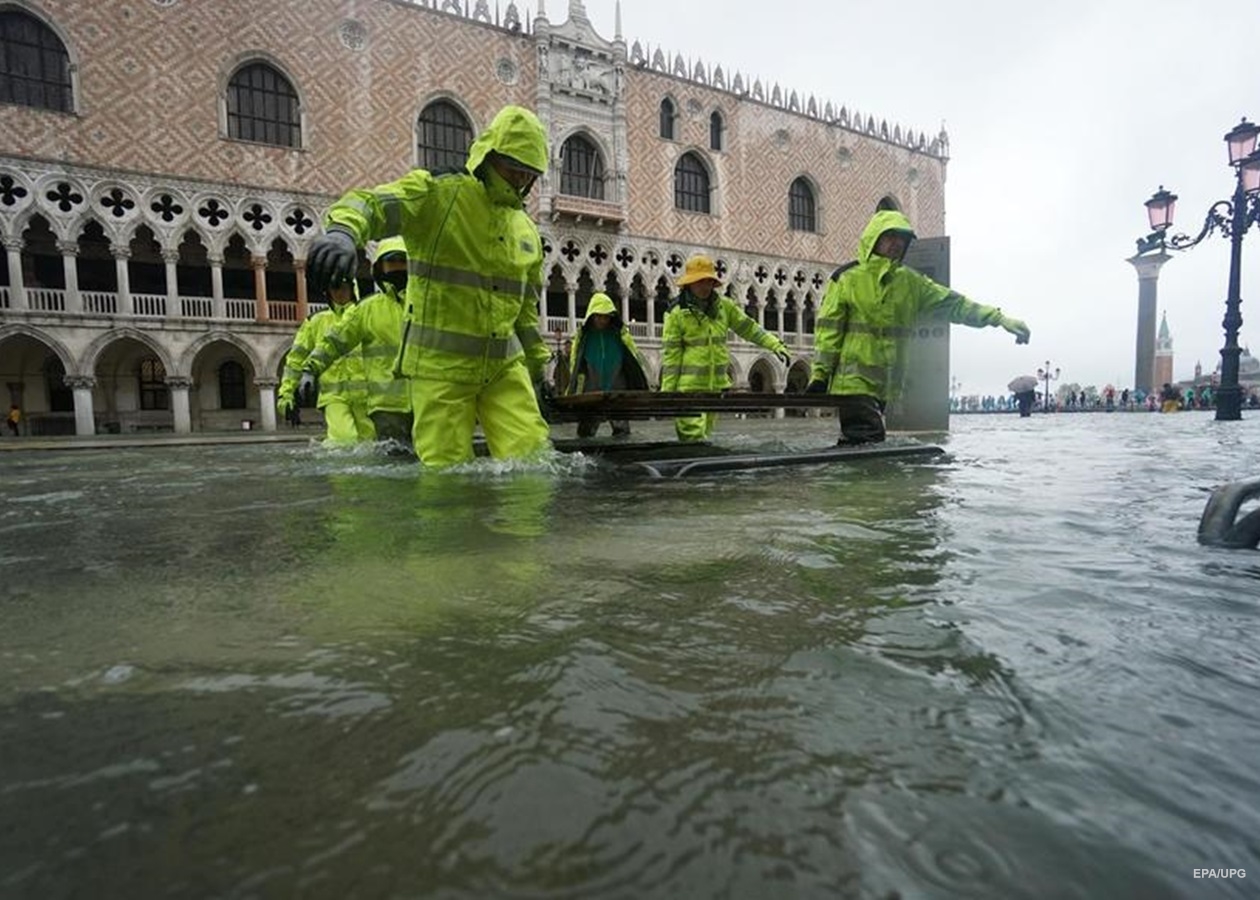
(266,671)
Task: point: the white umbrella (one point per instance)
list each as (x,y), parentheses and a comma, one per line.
(1021,383)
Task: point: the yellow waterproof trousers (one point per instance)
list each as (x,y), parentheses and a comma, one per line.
(695,428)
(348,423)
(446,412)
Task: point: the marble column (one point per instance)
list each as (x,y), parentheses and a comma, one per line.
(761,313)
(259,265)
(299,269)
(171,258)
(218,307)
(800,322)
(266,402)
(179,388)
(84,414)
(650,303)
(122,253)
(70,261)
(570,291)
(17,283)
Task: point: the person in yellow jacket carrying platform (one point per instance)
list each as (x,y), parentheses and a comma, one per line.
(603,357)
(342,388)
(471,348)
(871,306)
(374,328)
(694,356)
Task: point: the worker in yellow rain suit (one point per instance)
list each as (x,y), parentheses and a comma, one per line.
(694,356)
(342,389)
(373,328)
(870,307)
(470,345)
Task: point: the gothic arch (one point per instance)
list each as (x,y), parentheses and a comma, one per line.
(93,352)
(18,328)
(189,356)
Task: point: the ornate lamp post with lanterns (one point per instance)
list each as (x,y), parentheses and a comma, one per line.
(1232,218)
(1047,376)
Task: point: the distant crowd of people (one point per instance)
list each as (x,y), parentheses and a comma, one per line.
(1169,398)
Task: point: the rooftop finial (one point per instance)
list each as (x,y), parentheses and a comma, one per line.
(617,23)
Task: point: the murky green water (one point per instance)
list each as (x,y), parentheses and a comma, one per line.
(276,671)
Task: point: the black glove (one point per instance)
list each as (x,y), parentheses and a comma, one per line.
(333,258)
(816,387)
(784,357)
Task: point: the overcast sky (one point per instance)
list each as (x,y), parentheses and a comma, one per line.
(1063,119)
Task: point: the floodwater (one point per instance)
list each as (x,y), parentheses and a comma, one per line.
(283,671)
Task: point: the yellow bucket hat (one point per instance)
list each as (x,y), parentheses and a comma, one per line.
(698,268)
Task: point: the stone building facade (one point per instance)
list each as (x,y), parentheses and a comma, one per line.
(165,165)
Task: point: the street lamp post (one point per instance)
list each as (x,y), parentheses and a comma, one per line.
(1232,218)
(1047,376)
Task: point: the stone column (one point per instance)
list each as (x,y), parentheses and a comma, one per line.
(179,388)
(778,310)
(17,284)
(70,261)
(570,290)
(266,402)
(122,253)
(299,269)
(651,314)
(761,313)
(800,322)
(171,258)
(259,265)
(218,309)
(1148,279)
(84,414)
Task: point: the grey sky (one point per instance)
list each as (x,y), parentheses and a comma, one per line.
(1063,118)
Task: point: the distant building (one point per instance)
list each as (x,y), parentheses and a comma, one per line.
(165,165)
(1163,354)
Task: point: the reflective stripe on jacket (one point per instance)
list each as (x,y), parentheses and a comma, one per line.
(694,356)
(871,308)
(343,380)
(374,329)
(474,258)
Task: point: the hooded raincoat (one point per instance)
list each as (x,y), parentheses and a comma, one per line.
(342,385)
(629,373)
(871,307)
(374,328)
(470,341)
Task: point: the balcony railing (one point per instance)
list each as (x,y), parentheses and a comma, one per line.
(149,304)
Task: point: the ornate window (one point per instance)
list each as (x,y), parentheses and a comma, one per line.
(668,115)
(715,130)
(34,64)
(691,184)
(443,136)
(231,385)
(263,107)
(802,210)
(583,172)
(154,393)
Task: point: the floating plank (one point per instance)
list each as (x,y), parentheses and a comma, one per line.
(663,405)
(680,468)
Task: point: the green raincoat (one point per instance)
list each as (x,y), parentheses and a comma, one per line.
(633,369)
(871,307)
